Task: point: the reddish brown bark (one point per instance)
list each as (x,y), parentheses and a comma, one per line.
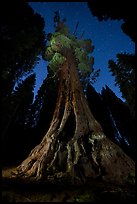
(80,156)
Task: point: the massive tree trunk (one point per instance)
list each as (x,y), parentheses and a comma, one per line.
(74,148)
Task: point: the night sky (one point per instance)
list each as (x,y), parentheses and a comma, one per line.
(107,37)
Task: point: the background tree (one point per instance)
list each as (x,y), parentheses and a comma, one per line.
(114,116)
(122,119)
(124,72)
(101,112)
(116,10)
(23,40)
(14,120)
(45,94)
(74,148)
(42,109)
(124,68)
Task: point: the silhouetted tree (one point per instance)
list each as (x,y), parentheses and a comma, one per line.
(101,112)
(24,94)
(74,148)
(116,10)
(124,68)
(46,94)
(124,72)
(42,109)
(23,39)
(123,120)
(14,120)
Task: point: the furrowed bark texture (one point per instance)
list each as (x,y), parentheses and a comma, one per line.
(79,154)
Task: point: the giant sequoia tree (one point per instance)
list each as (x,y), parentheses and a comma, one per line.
(74,148)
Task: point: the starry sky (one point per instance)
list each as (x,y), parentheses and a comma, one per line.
(107,38)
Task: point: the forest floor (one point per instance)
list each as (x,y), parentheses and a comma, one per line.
(97,192)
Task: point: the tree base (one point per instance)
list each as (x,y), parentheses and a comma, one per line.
(106,162)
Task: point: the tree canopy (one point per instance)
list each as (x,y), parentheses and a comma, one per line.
(82,49)
(23,39)
(116,10)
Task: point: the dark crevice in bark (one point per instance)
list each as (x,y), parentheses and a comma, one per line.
(69,129)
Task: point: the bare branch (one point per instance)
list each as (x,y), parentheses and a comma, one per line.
(76,28)
(82,34)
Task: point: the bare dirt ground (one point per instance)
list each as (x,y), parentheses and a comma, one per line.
(97,192)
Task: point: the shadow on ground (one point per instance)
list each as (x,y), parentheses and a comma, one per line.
(95,192)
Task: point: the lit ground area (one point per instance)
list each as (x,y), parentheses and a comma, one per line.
(97,191)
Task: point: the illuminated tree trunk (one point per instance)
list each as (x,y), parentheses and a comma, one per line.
(79,154)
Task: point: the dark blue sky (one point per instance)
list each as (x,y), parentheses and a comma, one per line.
(107,37)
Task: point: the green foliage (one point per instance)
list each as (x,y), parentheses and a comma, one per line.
(82,50)
(81,55)
(83,67)
(87,45)
(49,53)
(86,197)
(59,41)
(56,61)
